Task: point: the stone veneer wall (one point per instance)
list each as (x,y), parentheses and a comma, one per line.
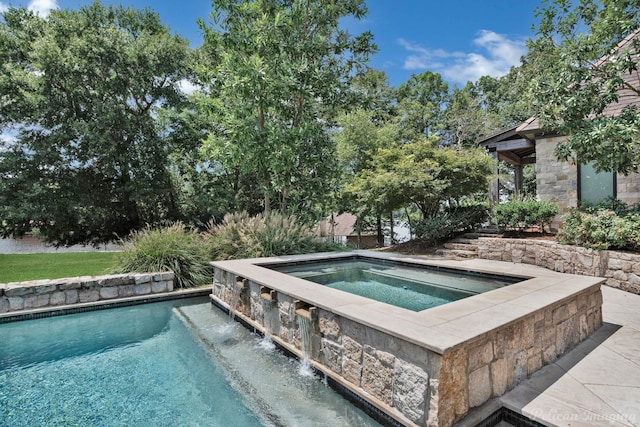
(416,385)
(21,296)
(556,181)
(621,269)
(628,188)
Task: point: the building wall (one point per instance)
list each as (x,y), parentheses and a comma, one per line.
(558,181)
(628,188)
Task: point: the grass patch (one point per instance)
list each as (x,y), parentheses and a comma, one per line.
(23,267)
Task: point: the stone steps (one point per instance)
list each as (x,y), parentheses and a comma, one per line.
(456,253)
(461,246)
(465,246)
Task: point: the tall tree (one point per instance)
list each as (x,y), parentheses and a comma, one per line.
(421,100)
(81,89)
(284,75)
(588,71)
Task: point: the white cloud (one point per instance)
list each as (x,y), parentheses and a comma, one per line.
(500,54)
(42,7)
(3,7)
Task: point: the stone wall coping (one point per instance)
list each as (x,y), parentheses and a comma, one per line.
(85,281)
(620,270)
(440,329)
(35,313)
(20,297)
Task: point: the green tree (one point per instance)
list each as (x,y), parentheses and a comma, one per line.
(587,71)
(464,118)
(421,101)
(81,90)
(360,137)
(284,75)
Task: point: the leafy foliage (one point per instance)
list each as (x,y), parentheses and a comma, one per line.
(587,72)
(240,235)
(173,248)
(447,222)
(602,229)
(283,75)
(81,90)
(523,214)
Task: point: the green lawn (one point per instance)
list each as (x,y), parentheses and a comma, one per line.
(22,267)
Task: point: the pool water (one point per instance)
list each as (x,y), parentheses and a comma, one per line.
(171,363)
(408,287)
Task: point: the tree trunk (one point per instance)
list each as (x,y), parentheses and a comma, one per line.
(379,229)
(393,239)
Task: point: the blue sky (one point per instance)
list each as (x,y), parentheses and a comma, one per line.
(460,39)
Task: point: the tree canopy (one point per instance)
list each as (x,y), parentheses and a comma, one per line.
(587,70)
(80,90)
(284,75)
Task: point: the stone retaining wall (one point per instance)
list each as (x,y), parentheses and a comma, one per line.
(21,296)
(621,269)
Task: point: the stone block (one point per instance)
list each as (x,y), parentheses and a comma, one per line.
(499,377)
(329,326)
(352,349)
(71,296)
(142,278)
(4,304)
(125,290)
(410,388)
(16,303)
(70,284)
(109,292)
(17,290)
(157,287)
(88,295)
(44,289)
(567,335)
(58,298)
(560,314)
(161,277)
(352,371)
(479,386)
(453,387)
(481,354)
(332,355)
(142,289)
(36,301)
(377,374)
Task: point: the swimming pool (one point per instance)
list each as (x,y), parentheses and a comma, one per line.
(169,363)
(397,284)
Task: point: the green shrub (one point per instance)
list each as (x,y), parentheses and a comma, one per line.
(447,222)
(520,214)
(174,248)
(603,229)
(242,236)
(620,208)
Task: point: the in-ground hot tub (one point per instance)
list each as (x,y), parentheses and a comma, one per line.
(403,285)
(424,366)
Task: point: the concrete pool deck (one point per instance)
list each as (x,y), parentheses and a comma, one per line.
(595,384)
